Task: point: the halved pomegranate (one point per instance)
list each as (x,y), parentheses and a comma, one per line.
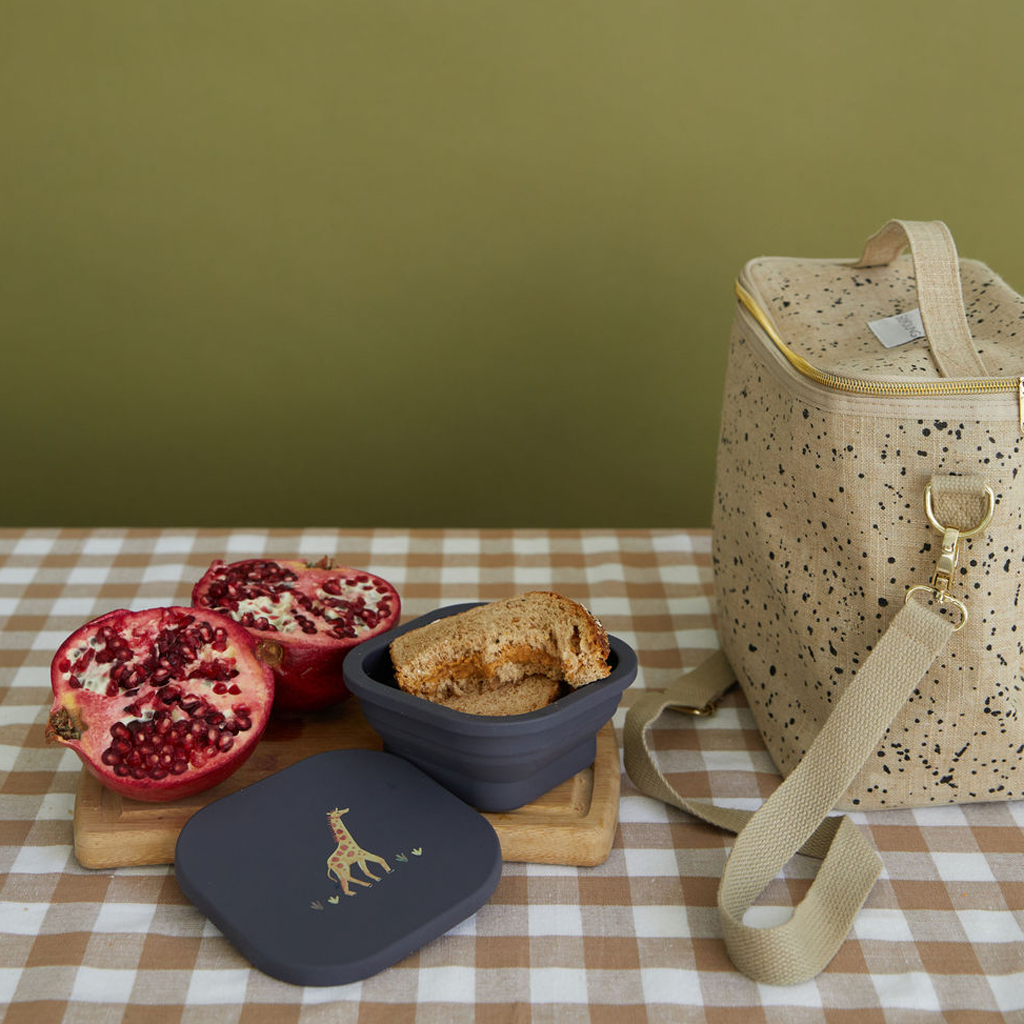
(160,704)
(306,618)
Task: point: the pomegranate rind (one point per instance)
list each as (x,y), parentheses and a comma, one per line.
(84,713)
(308,670)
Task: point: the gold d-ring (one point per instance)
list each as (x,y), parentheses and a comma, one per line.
(929,511)
(688,709)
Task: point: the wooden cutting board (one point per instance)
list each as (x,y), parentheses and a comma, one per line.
(572,824)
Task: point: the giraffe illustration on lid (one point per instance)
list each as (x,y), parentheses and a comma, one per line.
(349,854)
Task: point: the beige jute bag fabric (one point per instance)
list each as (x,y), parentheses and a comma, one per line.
(868,567)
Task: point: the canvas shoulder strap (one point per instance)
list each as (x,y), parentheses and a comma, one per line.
(795,818)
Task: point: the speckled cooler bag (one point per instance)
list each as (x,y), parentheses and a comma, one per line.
(828,442)
(868,565)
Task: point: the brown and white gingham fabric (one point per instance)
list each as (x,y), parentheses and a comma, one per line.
(941,937)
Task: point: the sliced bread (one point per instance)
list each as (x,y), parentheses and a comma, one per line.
(529,694)
(495,647)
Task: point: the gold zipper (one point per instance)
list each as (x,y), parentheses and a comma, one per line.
(882,388)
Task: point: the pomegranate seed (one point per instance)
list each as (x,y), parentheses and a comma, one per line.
(340,604)
(75,683)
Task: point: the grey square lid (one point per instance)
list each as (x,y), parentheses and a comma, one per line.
(337,867)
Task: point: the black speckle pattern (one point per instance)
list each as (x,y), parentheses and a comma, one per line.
(819,529)
(822,311)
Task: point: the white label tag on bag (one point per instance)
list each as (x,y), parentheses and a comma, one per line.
(899,329)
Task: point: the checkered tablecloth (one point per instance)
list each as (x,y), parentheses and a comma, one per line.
(635,939)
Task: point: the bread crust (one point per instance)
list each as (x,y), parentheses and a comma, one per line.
(501,645)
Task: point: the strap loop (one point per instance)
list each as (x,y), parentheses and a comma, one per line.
(795,817)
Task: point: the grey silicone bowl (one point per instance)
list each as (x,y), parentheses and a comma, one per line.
(494,763)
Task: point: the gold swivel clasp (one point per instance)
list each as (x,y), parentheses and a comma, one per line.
(948,558)
(949,554)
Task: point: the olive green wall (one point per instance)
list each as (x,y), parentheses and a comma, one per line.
(444,262)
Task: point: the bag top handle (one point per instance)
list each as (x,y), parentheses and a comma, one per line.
(939,292)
